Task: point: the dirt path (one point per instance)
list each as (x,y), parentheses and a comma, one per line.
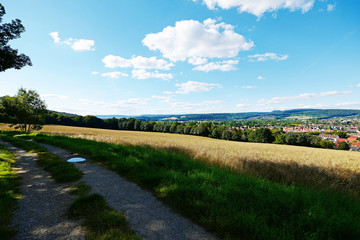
(149,218)
(41,213)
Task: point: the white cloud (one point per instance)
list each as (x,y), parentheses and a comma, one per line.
(143,74)
(348,104)
(167,92)
(55,96)
(94,73)
(248,87)
(330,7)
(81,44)
(267,57)
(190,39)
(261,78)
(55,37)
(197,61)
(192,86)
(137,62)
(259,7)
(223,66)
(304,96)
(114,75)
(358,85)
(242,105)
(75,44)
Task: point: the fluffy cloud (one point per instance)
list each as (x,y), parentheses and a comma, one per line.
(223,66)
(137,62)
(143,74)
(94,73)
(55,37)
(267,56)
(358,85)
(304,96)
(248,87)
(190,39)
(114,75)
(192,86)
(259,7)
(197,61)
(75,44)
(330,7)
(261,78)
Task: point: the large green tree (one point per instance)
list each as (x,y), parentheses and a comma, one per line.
(9,57)
(25,111)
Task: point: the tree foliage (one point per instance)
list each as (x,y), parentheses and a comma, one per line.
(343,146)
(9,57)
(25,111)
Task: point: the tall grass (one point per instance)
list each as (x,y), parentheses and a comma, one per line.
(9,194)
(231,205)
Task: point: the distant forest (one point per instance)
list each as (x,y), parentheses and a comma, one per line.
(277,115)
(218,130)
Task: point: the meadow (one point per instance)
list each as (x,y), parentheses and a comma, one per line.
(231,205)
(311,167)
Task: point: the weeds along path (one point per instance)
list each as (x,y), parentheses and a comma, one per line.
(42,212)
(148,217)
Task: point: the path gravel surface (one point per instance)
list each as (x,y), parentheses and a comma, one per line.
(41,213)
(147,216)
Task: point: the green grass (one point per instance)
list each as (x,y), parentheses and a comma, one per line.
(80,189)
(101,222)
(9,194)
(230,205)
(60,170)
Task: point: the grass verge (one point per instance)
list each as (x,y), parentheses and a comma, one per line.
(101,222)
(80,189)
(231,205)
(60,170)
(9,194)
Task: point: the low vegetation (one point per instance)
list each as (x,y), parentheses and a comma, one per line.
(101,222)
(60,170)
(9,194)
(231,205)
(313,167)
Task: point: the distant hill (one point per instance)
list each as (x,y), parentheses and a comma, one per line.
(277,114)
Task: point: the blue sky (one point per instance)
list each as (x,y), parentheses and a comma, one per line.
(186,56)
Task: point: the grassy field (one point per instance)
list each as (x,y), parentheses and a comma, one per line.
(9,194)
(337,170)
(234,206)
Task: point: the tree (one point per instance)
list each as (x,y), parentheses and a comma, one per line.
(261,135)
(343,146)
(9,57)
(25,110)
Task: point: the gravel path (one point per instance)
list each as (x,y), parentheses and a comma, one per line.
(41,213)
(147,216)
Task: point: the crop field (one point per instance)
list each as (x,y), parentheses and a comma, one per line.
(337,170)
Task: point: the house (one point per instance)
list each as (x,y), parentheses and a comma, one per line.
(330,137)
(339,140)
(352,139)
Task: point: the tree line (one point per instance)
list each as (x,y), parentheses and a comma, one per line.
(27,112)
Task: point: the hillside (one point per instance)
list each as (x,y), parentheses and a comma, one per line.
(295,113)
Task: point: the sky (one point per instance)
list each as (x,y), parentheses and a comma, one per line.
(133,57)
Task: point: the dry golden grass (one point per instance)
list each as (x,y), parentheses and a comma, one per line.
(339,170)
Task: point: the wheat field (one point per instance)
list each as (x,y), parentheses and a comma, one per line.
(338,170)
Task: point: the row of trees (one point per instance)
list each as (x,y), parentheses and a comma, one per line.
(209,129)
(27,112)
